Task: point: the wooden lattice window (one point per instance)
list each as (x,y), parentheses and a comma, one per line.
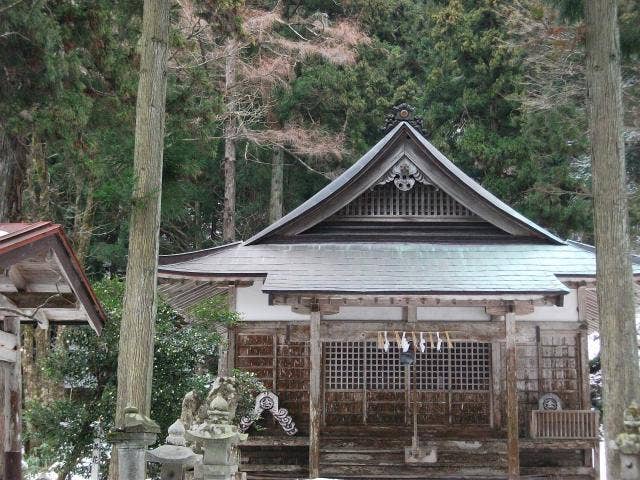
(383,369)
(344,365)
(421,201)
(431,370)
(470,366)
(362,365)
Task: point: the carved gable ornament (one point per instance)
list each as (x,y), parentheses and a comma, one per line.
(404,174)
(268,401)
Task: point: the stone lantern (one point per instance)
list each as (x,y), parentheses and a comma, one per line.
(218,439)
(175,457)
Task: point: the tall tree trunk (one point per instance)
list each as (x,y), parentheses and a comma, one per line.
(230,134)
(277,185)
(135,355)
(37,193)
(83,225)
(13,157)
(621,378)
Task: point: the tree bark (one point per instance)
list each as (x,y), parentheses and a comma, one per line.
(230,134)
(277,186)
(83,225)
(619,349)
(13,157)
(135,356)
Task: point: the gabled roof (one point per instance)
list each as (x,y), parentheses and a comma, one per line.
(27,245)
(291,256)
(403,140)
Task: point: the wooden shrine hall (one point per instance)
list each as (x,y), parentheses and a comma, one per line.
(413,325)
(41,284)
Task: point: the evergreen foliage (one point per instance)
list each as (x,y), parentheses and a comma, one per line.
(185,359)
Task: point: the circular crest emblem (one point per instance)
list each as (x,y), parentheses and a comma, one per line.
(266,403)
(550,402)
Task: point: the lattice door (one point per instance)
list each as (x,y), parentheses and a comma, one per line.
(364,384)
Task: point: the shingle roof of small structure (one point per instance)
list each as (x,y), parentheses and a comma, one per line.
(22,242)
(394,267)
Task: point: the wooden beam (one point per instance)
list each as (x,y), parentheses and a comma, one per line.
(386,300)
(13,408)
(35,285)
(307,309)
(315,357)
(42,299)
(524,308)
(513,450)
(68,315)
(363,330)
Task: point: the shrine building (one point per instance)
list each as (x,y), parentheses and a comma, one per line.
(413,325)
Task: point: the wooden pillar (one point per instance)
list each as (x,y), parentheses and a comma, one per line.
(315,354)
(231,334)
(496,391)
(513,448)
(583,342)
(410,313)
(227,337)
(585,391)
(13,408)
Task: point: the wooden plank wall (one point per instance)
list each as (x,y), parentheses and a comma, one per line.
(548,361)
(282,366)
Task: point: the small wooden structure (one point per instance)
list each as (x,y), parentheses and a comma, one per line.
(405,249)
(41,282)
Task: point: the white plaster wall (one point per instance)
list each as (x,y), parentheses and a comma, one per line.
(252,304)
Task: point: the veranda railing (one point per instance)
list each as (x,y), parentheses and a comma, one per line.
(565,424)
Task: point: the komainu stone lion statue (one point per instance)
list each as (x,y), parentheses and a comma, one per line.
(194,407)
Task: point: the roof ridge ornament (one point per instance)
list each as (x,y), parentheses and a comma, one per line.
(402,113)
(404,174)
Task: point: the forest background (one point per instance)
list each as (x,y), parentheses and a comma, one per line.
(500,86)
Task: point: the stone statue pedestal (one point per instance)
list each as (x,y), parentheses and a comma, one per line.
(131,442)
(220,456)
